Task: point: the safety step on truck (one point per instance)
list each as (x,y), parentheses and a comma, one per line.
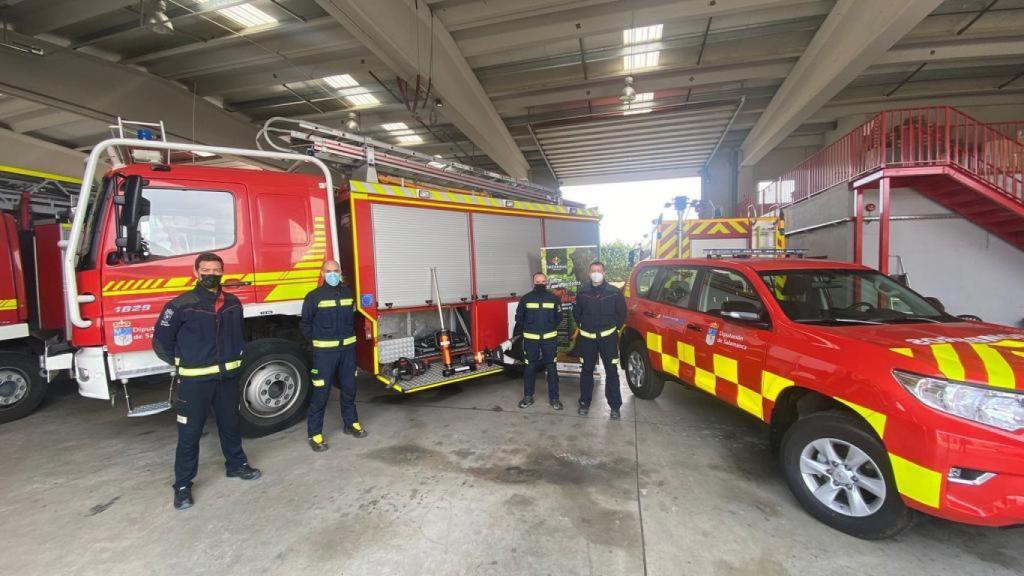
(135,236)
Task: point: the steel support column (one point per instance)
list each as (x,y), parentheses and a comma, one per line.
(883,225)
(858,226)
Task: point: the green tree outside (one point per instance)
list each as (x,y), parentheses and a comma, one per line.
(615,256)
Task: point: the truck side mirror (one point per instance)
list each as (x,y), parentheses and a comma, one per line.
(936,303)
(132,208)
(742,310)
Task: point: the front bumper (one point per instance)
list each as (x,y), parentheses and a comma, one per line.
(992,494)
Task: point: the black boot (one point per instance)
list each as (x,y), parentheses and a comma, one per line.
(245,472)
(584,410)
(317,443)
(615,414)
(356,430)
(183,498)
(557,404)
(526,402)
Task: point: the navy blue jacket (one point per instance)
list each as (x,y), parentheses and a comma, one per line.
(599,308)
(201,332)
(539,313)
(328,316)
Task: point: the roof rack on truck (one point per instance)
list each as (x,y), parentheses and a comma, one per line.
(755,253)
(364,155)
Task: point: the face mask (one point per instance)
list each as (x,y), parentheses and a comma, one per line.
(209,281)
(596,277)
(332,278)
(540,287)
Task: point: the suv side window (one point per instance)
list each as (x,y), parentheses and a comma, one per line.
(676,286)
(645,280)
(722,286)
(177,222)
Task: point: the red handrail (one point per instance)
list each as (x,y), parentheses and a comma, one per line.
(908,137)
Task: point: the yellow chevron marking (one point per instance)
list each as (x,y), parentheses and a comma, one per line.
(948,361)
(1000,373)
(905,351)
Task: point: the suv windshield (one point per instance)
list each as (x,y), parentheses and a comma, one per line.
(848,297)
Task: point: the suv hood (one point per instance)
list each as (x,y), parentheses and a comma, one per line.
(986,354)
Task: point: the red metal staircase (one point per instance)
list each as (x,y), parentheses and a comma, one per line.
(969,167)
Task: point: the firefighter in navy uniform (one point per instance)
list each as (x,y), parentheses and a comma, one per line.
(538,314)
(328,322)
(200,332)
(600,312)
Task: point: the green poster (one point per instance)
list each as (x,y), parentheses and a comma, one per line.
(567,269)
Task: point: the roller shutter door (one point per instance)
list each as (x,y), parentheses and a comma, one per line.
(408,242)
(507,252)
(570,233)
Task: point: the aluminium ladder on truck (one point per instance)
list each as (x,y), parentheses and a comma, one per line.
(364,155)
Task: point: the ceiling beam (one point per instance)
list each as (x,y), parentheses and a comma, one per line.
(28,153)
(854,36)
(102,90)
(407,37)
(32,18)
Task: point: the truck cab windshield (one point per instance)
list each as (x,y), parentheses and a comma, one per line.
(848,297)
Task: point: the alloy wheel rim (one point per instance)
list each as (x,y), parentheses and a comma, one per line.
(842,477)
(635,368)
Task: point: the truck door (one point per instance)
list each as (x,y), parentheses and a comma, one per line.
(179,221)
(729,354)
(667,313)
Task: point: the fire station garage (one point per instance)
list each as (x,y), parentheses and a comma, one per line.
(512,287)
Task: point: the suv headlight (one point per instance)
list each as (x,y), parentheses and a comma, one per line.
(997,408)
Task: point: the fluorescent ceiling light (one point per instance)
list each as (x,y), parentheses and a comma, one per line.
(247,15)
(437,164)
(391,126)
(340,81)
(642,34)
(632,111)
(202,154)
(359,96)
(401,132)
(412,139)
(644,97)
(640,61)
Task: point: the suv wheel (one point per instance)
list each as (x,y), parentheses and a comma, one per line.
(840,472)
(643,381)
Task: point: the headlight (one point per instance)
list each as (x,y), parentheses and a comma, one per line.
(1003,410)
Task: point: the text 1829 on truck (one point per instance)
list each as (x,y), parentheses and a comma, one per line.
(133,242)
(880,404)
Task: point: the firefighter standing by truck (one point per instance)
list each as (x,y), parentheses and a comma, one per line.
(328,323)
(600,312)
(200,332)
(538,314)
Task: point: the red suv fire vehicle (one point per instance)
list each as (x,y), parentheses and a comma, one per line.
(880,404)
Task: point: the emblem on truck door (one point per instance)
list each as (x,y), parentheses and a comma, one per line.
(122,333)
(712,334)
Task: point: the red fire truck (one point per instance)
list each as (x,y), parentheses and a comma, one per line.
(31,305)
(880,404)
(133,242)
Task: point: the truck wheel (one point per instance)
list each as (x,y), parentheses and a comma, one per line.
(641,377)
(840,472)
(22,387)
(274,387)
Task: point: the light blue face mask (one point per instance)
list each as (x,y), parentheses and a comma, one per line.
(332,278)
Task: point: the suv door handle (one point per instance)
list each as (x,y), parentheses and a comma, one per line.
(694,327)
(236,284)
(650,314)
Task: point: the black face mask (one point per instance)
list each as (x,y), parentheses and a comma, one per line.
(209,281)
(540,287)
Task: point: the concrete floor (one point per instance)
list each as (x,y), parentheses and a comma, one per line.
(452,481)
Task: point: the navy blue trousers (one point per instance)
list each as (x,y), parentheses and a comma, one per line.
(195,397)
(336,367)
(540,355)
(608,349)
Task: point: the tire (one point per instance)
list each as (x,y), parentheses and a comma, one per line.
(274,387)
(643,381)
(22,386)
(880,512)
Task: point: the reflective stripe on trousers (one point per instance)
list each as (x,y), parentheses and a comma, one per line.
(208,370)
